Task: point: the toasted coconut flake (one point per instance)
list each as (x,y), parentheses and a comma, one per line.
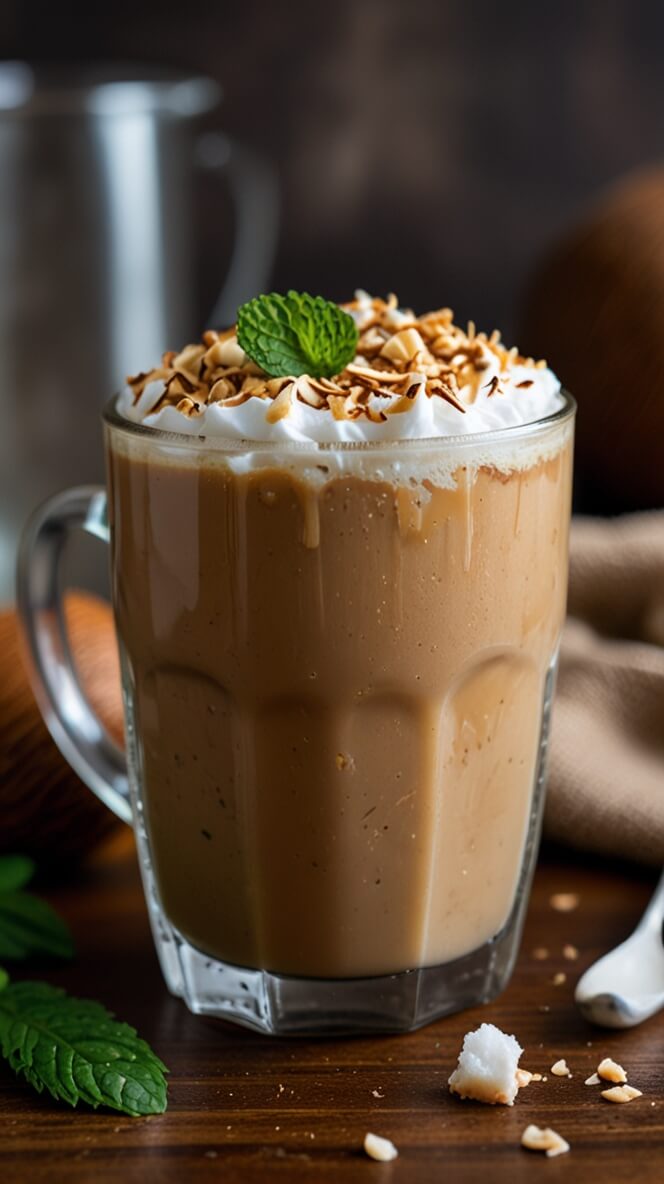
(180,383)
(188,407)
(221,390)
(189,358)
(403,346)
(404,403)
(307,393)
(281,405)
(382,376)
(337,405)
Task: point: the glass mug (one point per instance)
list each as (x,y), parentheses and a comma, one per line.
(337,666)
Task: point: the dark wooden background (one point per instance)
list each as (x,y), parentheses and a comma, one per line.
(435,147)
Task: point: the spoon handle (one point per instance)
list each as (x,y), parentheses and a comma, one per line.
(653,918)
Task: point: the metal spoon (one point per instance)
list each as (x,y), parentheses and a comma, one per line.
(626,986)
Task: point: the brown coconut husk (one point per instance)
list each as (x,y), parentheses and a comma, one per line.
(595,311)
(45,810)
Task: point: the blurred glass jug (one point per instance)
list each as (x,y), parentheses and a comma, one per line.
(97,172)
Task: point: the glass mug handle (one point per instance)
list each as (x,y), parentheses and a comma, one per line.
(255,195)
(75,727)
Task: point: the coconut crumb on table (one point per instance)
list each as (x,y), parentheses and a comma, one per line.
(570,953)
(540,954)
(536,1138)
(523,1078)
(487,1067)
(559,978)
(592,1080)
(611,1071)
(376,1147)
(564,902)
(560,1069)
(621,1093)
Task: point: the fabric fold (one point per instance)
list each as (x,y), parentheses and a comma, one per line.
(606,783)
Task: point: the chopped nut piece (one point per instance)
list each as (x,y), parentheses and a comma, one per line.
(621,1093)
(564,902)
(570,953)
(541,954)
(534,1138)
(523,1078)
(592,1080)
(560,1069)
(559,979)
(378,1148)
(611,1071)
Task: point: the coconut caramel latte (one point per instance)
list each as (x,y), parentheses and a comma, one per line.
(339,595)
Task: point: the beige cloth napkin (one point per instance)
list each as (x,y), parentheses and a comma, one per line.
(606,783)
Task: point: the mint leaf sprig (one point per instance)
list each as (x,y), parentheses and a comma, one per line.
(296,334)
(77,1051)
(27,924)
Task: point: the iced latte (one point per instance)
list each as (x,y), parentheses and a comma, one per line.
(339,601)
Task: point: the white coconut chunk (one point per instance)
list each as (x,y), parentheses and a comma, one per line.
(487,1068)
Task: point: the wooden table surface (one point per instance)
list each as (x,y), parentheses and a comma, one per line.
(247,1108)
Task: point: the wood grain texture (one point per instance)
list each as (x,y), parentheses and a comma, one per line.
(245,1109)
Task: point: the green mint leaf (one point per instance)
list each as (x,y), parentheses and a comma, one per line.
(30,926)
(15,872)
(4,978)
(78,1052)
(296,334)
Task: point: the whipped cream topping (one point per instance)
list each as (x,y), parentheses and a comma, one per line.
(412,378)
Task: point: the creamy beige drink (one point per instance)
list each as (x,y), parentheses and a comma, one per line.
(337,645)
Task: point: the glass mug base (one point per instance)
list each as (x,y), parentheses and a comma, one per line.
(284,1005)
(279,1005)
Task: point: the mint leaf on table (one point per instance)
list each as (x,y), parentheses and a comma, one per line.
(27,924)
(77,1051)
(15,872)
(296,334)
(30,926)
